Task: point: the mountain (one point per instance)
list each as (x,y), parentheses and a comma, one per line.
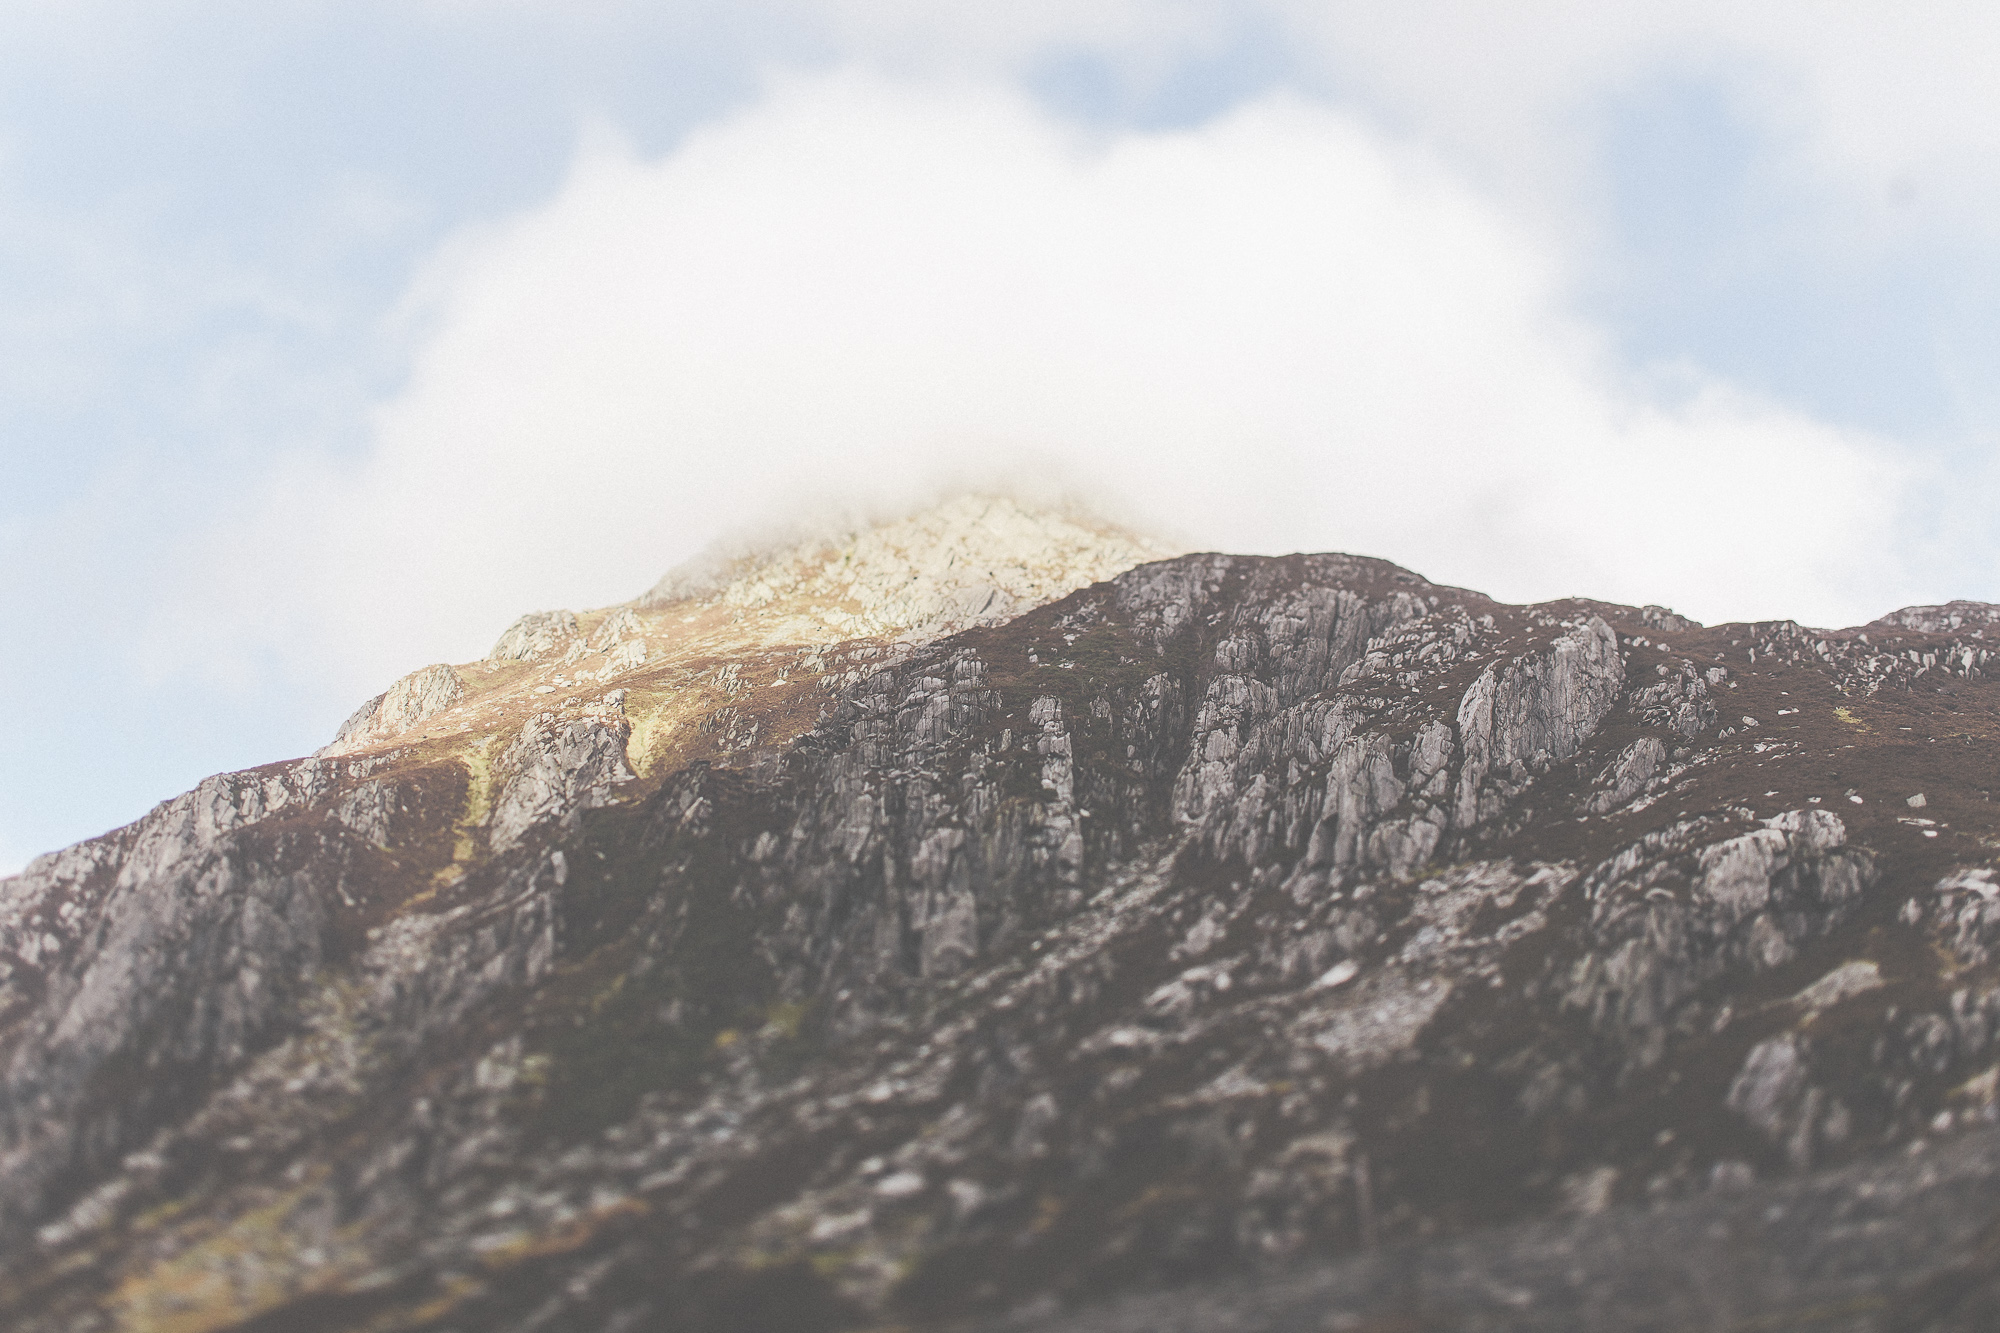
(979,919)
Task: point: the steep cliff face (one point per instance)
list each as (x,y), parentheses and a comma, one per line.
(687,965)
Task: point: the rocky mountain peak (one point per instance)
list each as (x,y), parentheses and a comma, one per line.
(933,926)
(885,584)
(970,560)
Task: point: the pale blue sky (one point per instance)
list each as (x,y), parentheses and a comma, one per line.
(219,223)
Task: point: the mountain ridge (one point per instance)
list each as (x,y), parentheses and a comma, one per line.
(969,560)
(1220,916)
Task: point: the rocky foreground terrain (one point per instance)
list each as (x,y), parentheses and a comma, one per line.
(978,922)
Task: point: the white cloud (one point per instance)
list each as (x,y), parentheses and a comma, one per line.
(1874,106)
(1278,331)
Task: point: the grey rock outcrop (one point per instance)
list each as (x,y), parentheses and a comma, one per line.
(1628,775)
(614,629)
(1677,908)
(1522,716)
(1945,619)
(1678,702)
(410,702)
(536,635)
(1664,618)
(161,961)
(558,764)
(1775,1093)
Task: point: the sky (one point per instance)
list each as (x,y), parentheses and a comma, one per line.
(333,337)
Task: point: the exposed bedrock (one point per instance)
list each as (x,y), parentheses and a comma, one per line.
(537,634)
(1677,909)
(411,701)
(1227,915)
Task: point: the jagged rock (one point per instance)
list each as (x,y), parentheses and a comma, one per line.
(1531,712)
(558,764)
(1674,910)
(536,635)
(1943,619)
(1663,618)
(414,699)
(1221,915)
(166,957)
(615,629)
(1963,913)
(1774,1093)
(1627,775)
(1679,702)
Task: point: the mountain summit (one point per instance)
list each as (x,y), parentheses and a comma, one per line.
(972,560)
(986,919)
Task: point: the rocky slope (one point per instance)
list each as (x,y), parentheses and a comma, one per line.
(966,921)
